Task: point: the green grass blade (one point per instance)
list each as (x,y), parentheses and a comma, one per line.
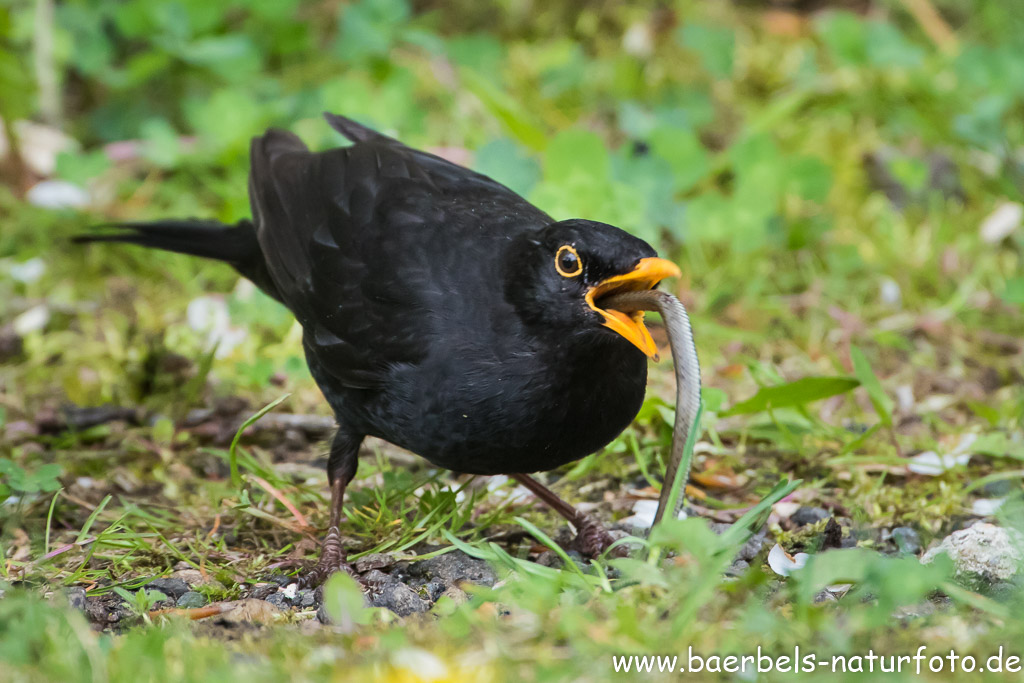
(236,477)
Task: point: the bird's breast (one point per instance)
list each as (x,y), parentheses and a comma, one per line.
(526,412)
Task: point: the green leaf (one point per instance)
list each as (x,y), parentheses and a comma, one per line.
(227,118)
(81,167)
(236,478)
(369,28)
(879,399)
(576,152)
(998,445)
(161,144)
(683,151)
(516,118)
(1014,291)
(652,180)
(983,126)
(809,178)
(794,394)
(233,57)
(344,602)
(715,46)
(889,48)
(478,51)
(845,36)
(507,163)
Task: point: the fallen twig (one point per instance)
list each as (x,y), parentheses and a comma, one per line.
(192,613)
(266,486)
(934,26)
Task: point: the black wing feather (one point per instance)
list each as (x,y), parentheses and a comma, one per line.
(335,228)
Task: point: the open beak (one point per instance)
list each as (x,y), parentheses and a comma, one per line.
(646,275)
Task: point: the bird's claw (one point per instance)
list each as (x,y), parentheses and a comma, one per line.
(592,538)
(333,558)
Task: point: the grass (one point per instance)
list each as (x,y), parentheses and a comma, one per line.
(822,180)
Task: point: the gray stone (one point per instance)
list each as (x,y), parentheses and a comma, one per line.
(809,515)
(191,599)
(261,591)
(305,599)
(386,591)
(998,488)
(193,577)
(76,597)
(172,588)
(249,610)
(983,555)
(454,567)
(400,599)
(373,561)
(279,600)
(907,540)
(433,589)
(753,547)
(456,594)
(580,561)
(737,568)
(549,558)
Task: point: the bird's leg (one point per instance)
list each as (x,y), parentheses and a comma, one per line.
(592,538)
(341,468)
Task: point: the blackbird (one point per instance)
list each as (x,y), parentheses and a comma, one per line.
(441,311)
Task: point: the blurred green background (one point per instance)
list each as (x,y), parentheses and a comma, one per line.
(841,182)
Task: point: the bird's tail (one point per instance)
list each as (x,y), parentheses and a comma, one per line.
(230,243)
(233,244)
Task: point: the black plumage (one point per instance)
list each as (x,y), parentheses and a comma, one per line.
(440,311)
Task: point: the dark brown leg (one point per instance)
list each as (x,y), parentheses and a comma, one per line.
(341,468)
(592,538)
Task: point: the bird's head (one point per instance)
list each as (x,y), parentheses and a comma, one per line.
(561,275)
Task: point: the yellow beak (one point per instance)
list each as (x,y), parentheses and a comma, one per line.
(646,275)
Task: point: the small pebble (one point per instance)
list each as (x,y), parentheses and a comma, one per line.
(456,594)
(191,599)
(172,588)
(997,489)
(262,590)
(434,589)
(76,597)
(250,611)
(737,568)
(809,515)
(907,540)
(281,580)
(279,600)
(457,566)
(386,591)
(305,599)
(549,558)
(753,547)
(373,561)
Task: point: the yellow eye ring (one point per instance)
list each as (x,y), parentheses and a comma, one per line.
(568,262)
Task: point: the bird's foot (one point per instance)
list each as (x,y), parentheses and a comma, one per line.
(592,538)
(333,558)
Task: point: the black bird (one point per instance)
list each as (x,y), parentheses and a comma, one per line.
(440,310)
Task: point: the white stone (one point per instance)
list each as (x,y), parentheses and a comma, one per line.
(32,320)
(1001,223)
(28,271)
(58,194)
(982,554)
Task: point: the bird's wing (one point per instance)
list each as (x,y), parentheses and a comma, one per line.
(361,241)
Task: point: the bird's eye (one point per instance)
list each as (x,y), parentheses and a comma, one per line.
(567,262)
